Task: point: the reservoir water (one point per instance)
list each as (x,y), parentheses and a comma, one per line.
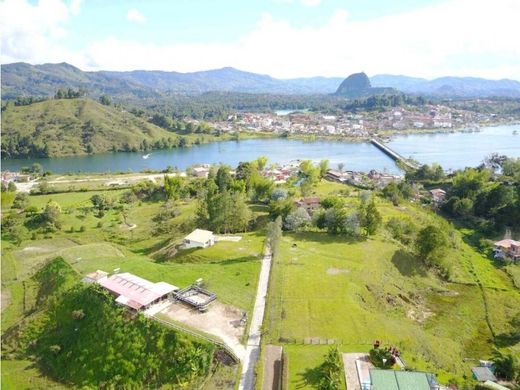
(451,150)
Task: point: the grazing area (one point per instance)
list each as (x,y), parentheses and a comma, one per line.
(352,291)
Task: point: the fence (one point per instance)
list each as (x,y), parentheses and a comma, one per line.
(200,336)
(321,341)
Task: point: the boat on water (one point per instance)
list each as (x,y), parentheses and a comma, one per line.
(147,156)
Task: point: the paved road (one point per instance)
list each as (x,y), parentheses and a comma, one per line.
(247,379)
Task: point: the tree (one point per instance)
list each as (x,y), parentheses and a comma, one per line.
(297,219)
(324,167)
(105,100)
(223,178)
(21,201)
(174,187)
(101,202)
(274,234)
(279,194)
(330,371)
(261,162)
(431,244)
(51,215)
(281,208)
(370,217)
(506,365)
(36,168)
(469,182)
(341,166)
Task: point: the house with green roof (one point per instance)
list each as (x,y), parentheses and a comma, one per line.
(402,380)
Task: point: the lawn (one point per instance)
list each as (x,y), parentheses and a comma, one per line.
(355,291)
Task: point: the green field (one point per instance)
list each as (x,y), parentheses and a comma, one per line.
(352,292)
(89,242)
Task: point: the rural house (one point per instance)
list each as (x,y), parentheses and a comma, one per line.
(199,238)
(507,249)
(134,292)
(310,204)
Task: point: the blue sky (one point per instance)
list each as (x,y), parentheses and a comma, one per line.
(283,38)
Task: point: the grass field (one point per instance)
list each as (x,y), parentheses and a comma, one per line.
(356,291)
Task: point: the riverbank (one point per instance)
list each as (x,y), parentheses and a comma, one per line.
(453,150)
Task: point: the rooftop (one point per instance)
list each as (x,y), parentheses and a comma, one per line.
(507,243)
(399,380)
(483,374)
(134,291)
(199,235)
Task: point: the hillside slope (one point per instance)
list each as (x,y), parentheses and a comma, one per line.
(68,127)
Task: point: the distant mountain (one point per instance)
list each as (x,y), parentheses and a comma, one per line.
(358,85)
(65,127)
(450,86)
(21,79)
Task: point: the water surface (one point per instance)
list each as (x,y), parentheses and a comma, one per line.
(451,150)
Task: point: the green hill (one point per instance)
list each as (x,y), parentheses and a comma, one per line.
(68,127)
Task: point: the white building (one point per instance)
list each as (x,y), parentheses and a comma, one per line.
(199,238)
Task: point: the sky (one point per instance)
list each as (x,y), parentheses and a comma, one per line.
(281,38)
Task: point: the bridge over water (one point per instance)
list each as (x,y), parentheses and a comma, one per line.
(393,154)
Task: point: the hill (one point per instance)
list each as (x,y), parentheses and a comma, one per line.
(358,85)
(22,79)
(67,127)
(450,86)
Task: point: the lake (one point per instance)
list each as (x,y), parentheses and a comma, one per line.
(451,150)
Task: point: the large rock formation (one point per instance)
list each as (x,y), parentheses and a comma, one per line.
(358,84)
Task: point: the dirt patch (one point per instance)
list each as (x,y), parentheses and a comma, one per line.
(272,367)
(220,320)
(337,271)
(419,315)
(5,298)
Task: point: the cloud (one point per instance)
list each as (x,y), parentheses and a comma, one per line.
(32,32)
(311,3)
(135,16)
(454,37)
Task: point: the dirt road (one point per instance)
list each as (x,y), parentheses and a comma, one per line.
(247,379)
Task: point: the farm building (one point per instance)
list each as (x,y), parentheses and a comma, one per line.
(135,292)
(402,380)
(199,238)
(310,204)
(507,248)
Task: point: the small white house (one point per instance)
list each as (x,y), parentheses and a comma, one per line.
(199,238)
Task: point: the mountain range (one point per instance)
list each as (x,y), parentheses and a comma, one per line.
(22,79)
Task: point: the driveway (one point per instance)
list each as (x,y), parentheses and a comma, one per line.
(247,379)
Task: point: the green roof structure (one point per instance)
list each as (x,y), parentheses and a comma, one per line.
(401,380)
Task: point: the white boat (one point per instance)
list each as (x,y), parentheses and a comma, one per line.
(146,156)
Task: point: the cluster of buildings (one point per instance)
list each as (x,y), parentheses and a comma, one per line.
(373,179)
(139,295)
(354,124)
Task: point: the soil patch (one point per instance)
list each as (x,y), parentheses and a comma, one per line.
(337,271)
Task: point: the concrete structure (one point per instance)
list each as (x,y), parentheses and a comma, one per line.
(483,374)
(199,238)
(507,249)
(134,292)
(95,277)
(402,380)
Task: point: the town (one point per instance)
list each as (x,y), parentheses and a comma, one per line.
(359,124)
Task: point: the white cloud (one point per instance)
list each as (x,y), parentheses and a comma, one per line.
(134,15)
(311,3)
(455,37)
(32,32)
